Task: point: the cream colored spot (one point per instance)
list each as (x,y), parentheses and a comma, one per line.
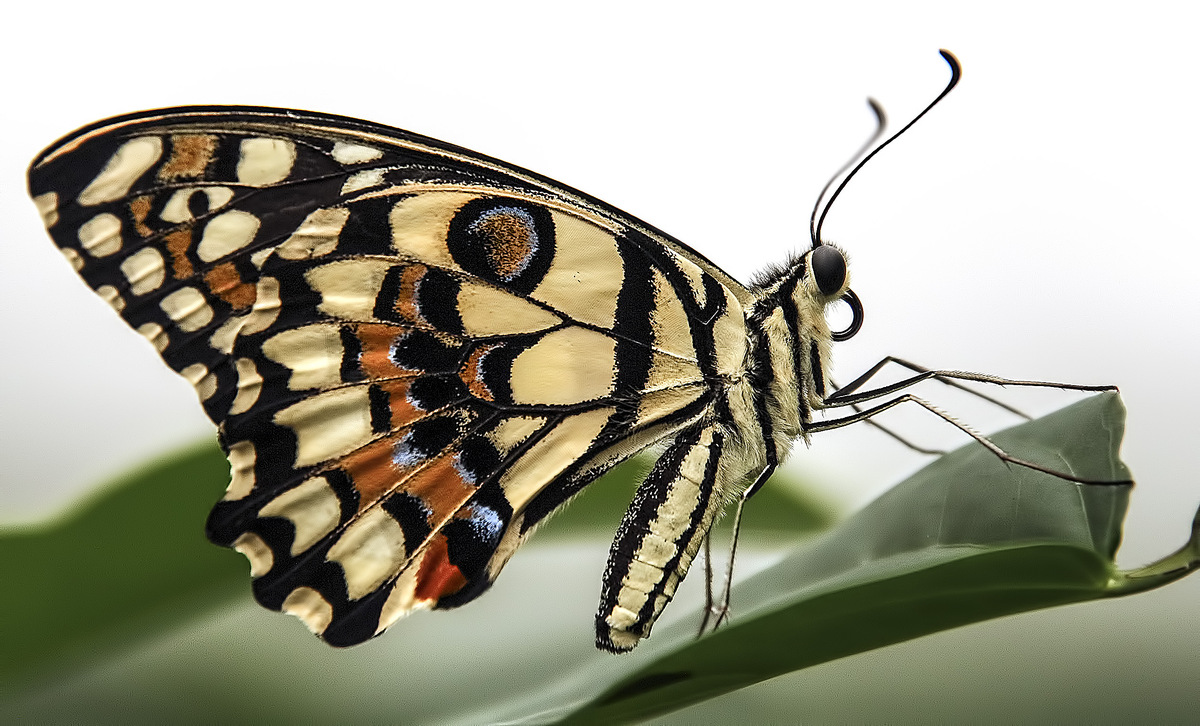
(486,310)
(259,257)
(226,333)
(265,161)
(101,235)
(587,272)
(566,366)
(420,223)
(317,235)
(176,210)
(145,270)
(370,551)
(313,610)
(242,458)
(132,160)
(154,333)
(657,404)
(669,321)
(227,233)
(201,379)
(249,386)
(312,508)
(730,337)
(72,258)
(363,180)
(668,372)
(262,559)
(47,206)
(511,431)
(266,307)
(553,453)
(349,288)
(344,153)
(695,277)
(111,296)
(188,308)
(313,353)
(402,600)
(328,424)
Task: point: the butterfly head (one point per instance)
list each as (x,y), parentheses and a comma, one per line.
(826,280)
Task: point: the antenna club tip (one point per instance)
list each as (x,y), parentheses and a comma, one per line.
(955,66)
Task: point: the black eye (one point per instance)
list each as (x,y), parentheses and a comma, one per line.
(828,269)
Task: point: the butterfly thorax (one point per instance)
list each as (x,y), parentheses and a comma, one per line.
(791,346)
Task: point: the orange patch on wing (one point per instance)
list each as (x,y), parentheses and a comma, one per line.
(406,297)
(178,243)
(139,209)
(227,284)
(437,577)
(440,487)
(508,242)
(372,471)
(376,357)
(472,376)
(190,156)
(403,412)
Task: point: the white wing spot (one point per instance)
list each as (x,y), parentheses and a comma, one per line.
(369,551)
(242,457)
(363,180)
(201,379)
(265,161)
(101,235)
(316,236)
(188,308)
(154,333)
(72,258)
(111,296)
(249,386)
(329,424)
(145,270)
(313,610)
(176,210)
(260,555)
(132,160)
(227,233)
(47,206)
(266,307)
(344,153)
(312,508)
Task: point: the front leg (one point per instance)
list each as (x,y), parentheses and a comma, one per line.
(659,536)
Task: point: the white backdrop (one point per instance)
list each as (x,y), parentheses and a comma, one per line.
(1039,223)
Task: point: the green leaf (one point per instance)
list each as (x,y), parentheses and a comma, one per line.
(129,564)
(965,539)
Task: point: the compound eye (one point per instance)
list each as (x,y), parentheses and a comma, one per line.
(828,269)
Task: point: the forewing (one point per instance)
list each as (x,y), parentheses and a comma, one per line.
(414,353)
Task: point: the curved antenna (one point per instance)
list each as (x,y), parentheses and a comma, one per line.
(880,125)
(955,75)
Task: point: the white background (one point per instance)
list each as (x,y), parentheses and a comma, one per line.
(1039,223)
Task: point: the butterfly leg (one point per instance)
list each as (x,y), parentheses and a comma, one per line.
(718,609)
(660,535)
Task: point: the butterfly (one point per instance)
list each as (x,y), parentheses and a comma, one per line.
(415,353)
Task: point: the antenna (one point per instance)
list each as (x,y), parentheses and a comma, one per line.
(880,125)
(955,75)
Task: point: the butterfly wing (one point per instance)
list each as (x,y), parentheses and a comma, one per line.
(413,353)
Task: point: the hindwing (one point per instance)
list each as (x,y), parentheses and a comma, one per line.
(414,353)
